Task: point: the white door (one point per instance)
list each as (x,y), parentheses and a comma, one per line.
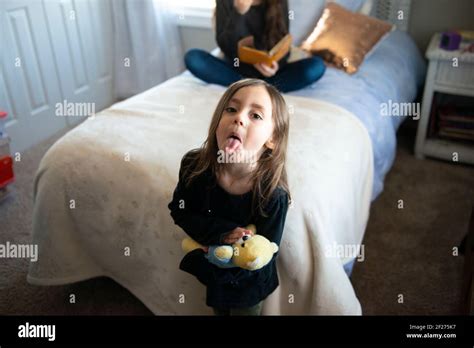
(53,52)
(81,32)
(29,87)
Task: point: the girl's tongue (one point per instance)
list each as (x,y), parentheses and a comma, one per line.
(232,145)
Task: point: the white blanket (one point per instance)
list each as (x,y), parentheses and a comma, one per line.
(102,190)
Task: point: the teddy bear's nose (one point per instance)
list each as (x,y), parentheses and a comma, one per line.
(245,237)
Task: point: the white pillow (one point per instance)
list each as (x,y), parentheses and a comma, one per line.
(304,14)
(351,5)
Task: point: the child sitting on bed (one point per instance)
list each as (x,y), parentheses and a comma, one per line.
(265,20)
(215,198)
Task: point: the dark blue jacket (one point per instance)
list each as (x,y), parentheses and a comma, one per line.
(206,212)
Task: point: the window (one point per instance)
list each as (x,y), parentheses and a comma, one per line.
(196,4)
(194,13)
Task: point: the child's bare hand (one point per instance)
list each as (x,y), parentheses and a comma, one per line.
(234,235)
(267,71)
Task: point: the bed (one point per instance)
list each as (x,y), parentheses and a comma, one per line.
(101,191)
(394,71)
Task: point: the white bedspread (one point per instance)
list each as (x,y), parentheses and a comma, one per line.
(91,204)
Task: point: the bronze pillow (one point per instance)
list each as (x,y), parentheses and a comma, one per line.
(343,38)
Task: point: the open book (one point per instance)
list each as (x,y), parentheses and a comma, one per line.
(250,55)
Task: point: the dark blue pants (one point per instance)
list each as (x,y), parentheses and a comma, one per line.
(289,77)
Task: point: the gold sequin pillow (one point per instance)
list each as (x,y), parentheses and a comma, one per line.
(343,38)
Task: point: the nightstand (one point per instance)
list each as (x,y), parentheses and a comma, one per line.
(450,76)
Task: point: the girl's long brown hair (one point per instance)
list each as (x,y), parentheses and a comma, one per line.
(275,23)
(270,171)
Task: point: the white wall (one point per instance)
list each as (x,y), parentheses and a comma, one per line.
(197,38)
(430,16)
(427,17)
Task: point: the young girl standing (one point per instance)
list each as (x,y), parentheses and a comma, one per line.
(215,199)
(265,20)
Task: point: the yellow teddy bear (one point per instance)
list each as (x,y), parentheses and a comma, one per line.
(252,252)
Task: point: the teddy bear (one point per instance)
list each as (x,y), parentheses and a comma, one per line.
(251,252)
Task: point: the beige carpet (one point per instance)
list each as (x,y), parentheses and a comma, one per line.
(408,251)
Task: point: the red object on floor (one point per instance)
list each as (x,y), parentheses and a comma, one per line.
(3,114)
(6,171)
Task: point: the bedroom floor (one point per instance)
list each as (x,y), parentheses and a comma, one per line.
(408,252)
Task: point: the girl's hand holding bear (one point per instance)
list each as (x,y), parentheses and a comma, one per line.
(234,235)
